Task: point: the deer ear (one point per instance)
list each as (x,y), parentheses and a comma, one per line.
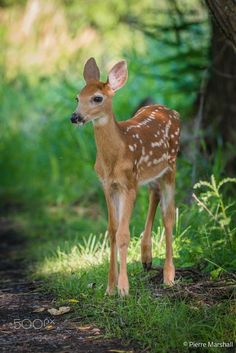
(118,75)
(91,70)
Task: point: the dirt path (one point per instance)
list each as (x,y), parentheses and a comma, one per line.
(24,330)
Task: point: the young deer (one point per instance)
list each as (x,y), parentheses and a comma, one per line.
(130,153)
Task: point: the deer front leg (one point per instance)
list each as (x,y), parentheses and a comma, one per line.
(113,270)
(146,241)
(168,214)
(126,202)
(112,228)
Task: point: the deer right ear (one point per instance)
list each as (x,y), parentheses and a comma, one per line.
(91,70)
(118,75)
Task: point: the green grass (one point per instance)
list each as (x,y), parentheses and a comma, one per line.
(70,253)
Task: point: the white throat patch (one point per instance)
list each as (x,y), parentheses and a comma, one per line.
(102,120)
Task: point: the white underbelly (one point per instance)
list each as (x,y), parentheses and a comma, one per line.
(155,178)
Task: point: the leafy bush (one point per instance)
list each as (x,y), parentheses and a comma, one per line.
(210,223)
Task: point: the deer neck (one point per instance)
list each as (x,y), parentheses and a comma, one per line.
(107,137)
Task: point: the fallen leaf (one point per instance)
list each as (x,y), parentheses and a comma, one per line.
(73,301)
(119,351)
(62,310)
(84,328)
(96,331)
(39,310)
(49,327)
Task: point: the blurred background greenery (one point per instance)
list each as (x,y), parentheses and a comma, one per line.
(170,47)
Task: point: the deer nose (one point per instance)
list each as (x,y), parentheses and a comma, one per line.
(76,118)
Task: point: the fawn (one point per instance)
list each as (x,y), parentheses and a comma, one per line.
(130,153)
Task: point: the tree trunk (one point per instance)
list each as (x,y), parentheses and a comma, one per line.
(224,13)
(219,113)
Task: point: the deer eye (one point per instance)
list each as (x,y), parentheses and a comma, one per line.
(97,99)
(77,99)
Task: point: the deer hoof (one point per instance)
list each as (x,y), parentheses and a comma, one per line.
(147,266)
(123,287)
(169,275)
(110,291)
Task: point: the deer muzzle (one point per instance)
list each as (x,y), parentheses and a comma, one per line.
(76,118)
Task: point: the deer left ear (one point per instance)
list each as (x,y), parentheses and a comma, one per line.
(118,75)
(91,70)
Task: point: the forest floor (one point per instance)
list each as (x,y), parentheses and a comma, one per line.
(24,327)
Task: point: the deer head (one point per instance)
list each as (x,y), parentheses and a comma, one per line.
(95,99)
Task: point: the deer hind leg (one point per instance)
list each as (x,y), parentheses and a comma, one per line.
(112,208)
(126,203)
(146,241)
(168,215)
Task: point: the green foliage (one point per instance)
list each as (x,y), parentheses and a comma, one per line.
(220,222)
(205,234)
(40,148)
(6,3)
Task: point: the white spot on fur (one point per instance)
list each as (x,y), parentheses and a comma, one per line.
(162,158)
(175,114)
(167,128)
(157,143)
(131,148)
(143,159)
